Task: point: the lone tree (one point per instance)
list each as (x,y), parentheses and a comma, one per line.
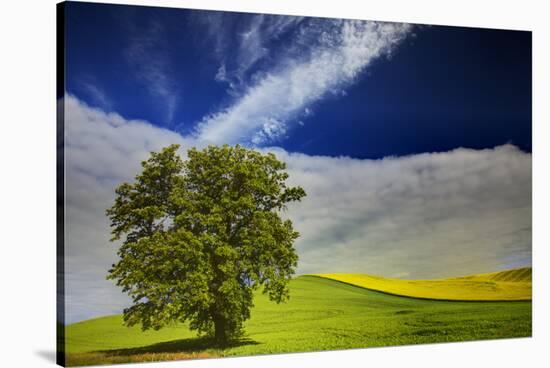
(199,236)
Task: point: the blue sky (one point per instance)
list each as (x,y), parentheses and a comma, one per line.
(434,89)
(412,142)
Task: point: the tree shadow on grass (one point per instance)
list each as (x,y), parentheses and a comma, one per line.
(192,345)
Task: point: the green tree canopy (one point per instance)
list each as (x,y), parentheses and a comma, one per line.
(199,236)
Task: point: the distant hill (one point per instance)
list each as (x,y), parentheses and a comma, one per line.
(523,274)
(509,285)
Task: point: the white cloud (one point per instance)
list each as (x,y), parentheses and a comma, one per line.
(426,215)
(422,216)
(325,56)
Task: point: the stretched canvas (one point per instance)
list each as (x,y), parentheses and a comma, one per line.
(236,184)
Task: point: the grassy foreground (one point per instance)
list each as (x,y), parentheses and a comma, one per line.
(322,314)
(504,285)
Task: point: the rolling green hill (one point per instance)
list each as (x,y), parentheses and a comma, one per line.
(322,314)
(504,285)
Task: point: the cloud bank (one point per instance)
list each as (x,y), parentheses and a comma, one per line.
(423,216)
(324,57)
(101,150)
(426,215)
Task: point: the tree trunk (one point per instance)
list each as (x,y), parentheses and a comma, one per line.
(220,333)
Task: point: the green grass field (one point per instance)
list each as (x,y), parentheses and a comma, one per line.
(322,314)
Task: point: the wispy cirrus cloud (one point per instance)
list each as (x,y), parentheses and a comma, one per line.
(249,43)
(97,94)
(148,55)
(323,57)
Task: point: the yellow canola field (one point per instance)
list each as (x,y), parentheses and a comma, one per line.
(513,284)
